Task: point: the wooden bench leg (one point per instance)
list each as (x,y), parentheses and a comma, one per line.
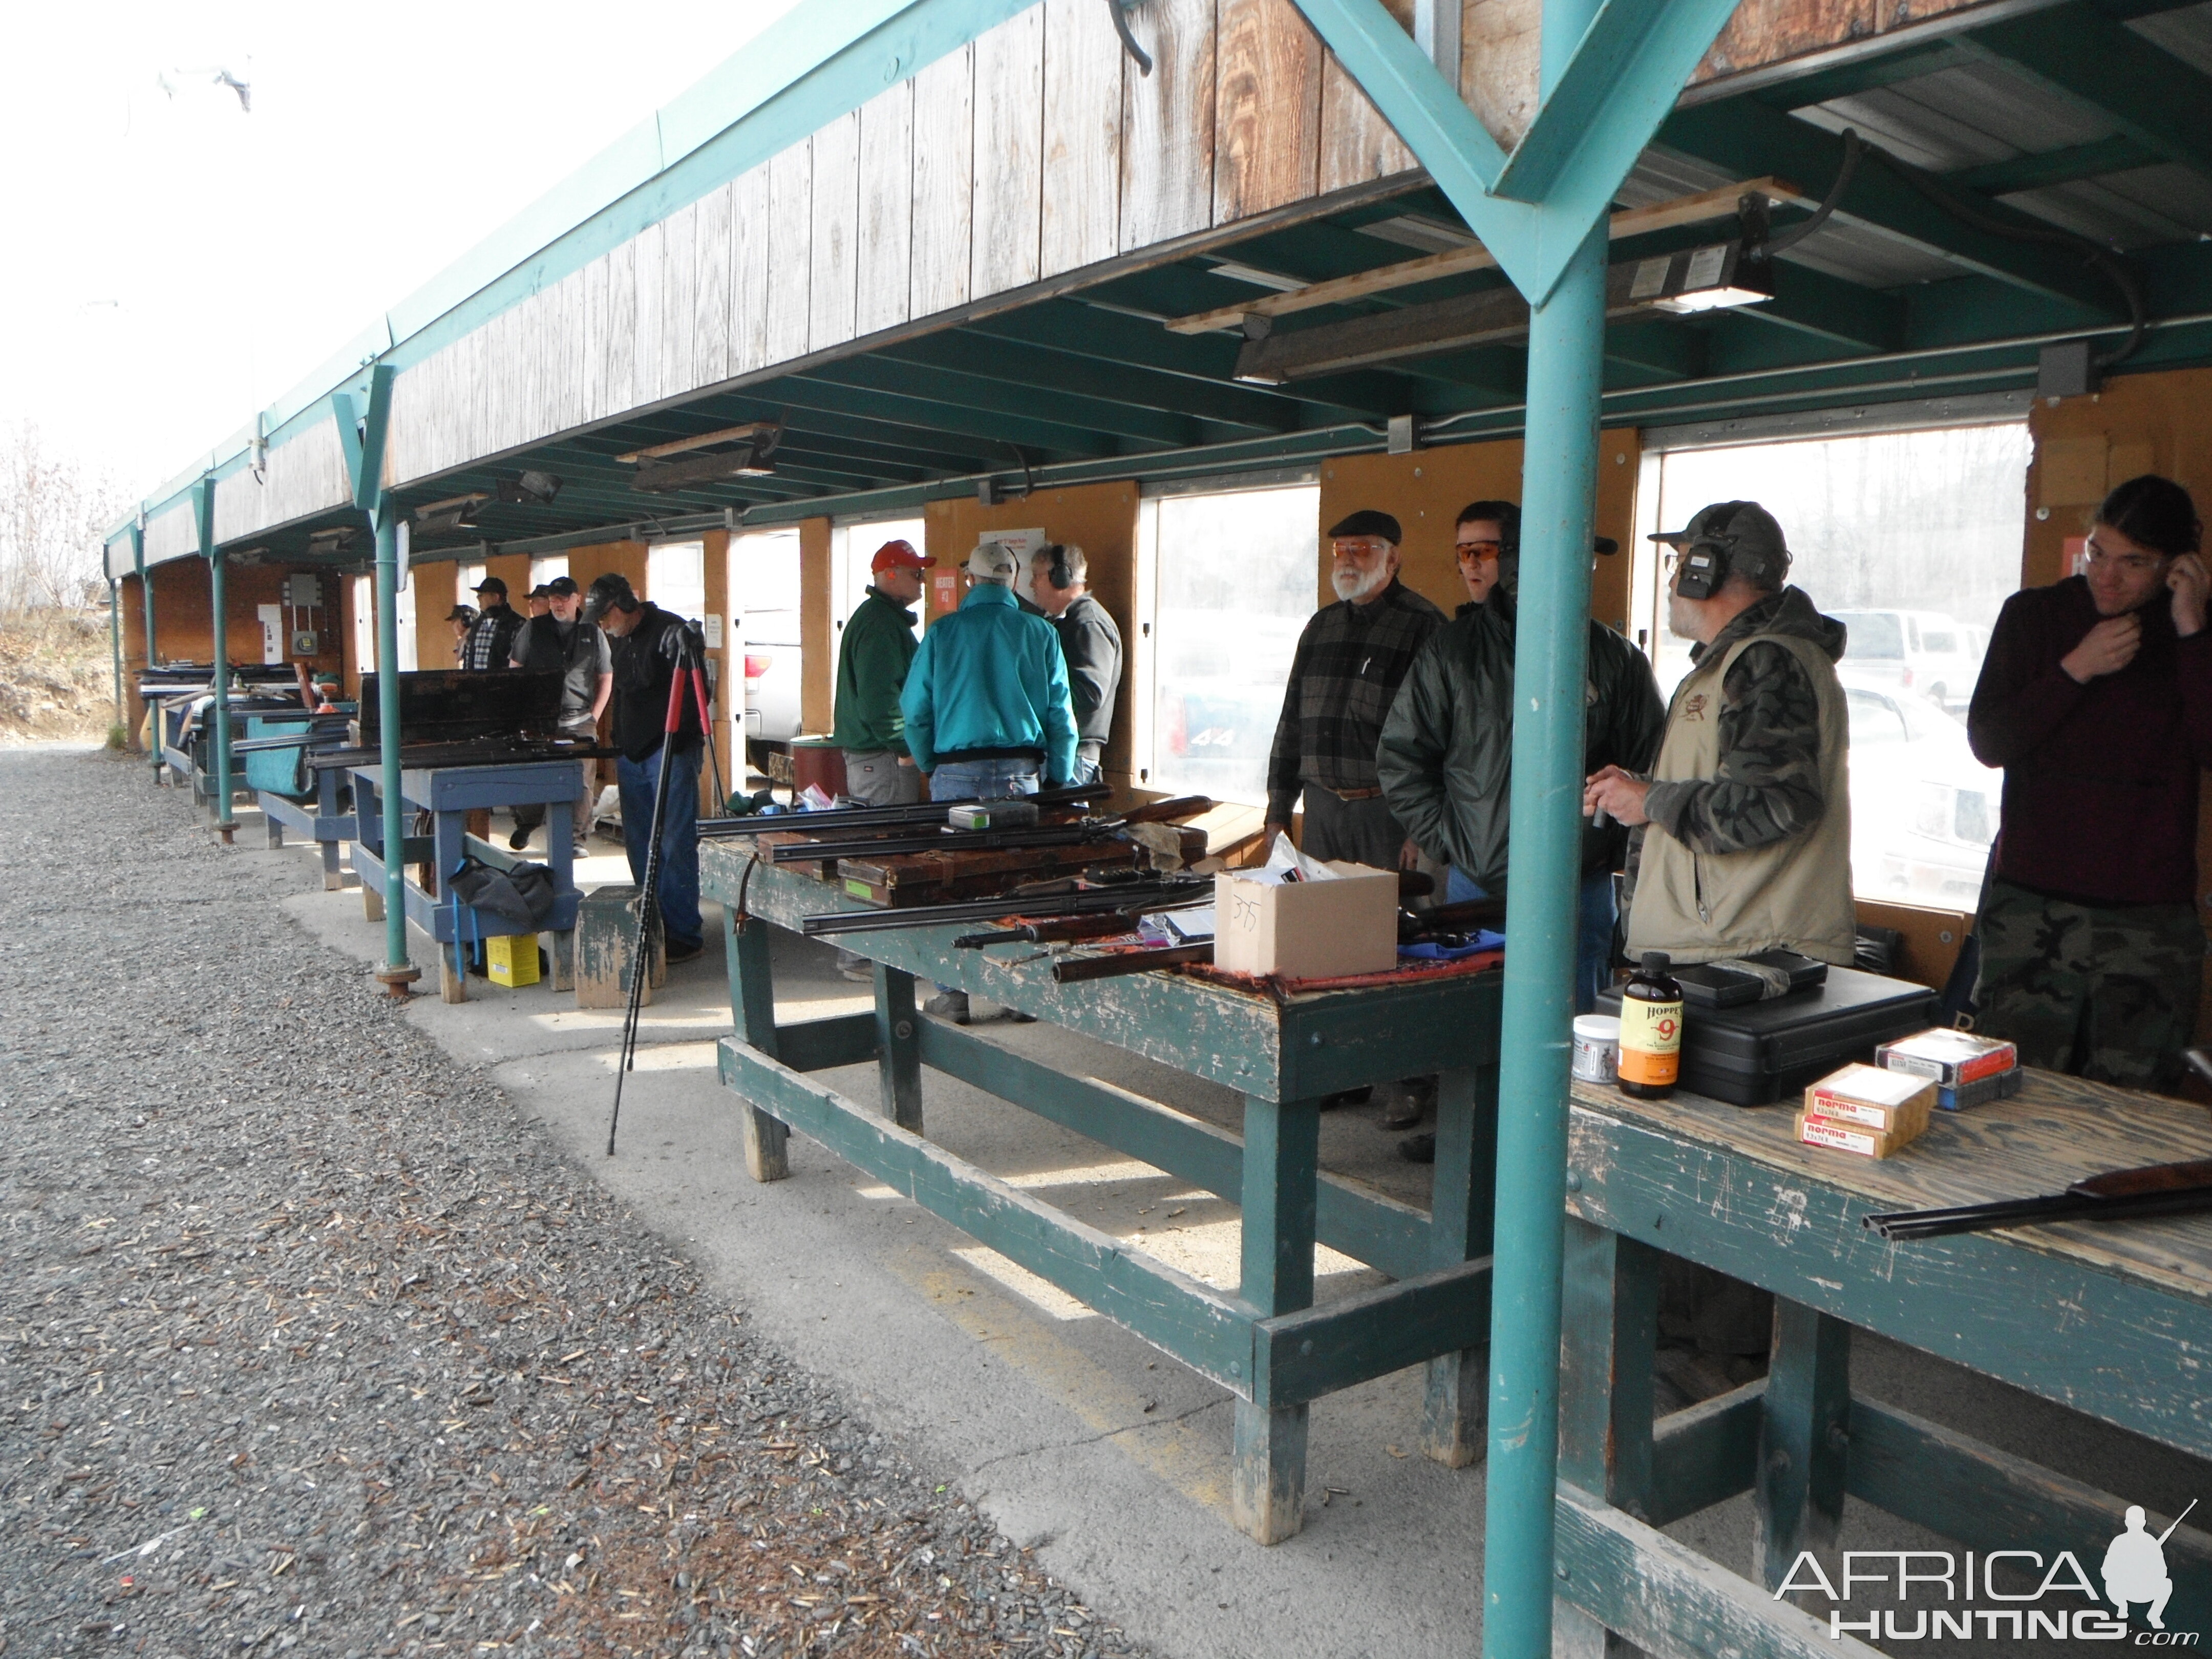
(1575,1635)
(1455,1409)
(272,830)
(1797,1491)
(333,878)
(1281,1147)
(372,900)
(452,983)
(564,959)
(752,1016)
(898,1033)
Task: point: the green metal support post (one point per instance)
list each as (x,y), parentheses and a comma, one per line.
(1566,362)
(146,600)
(397,974)
(115,642)
(203,506)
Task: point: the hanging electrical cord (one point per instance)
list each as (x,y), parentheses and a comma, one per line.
(1120,10)
(2113,267)
(1853,149)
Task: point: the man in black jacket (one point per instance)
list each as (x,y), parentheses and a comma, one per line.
(561,642)
(648,644)
(1446,755)
(1089,642)
(490,642)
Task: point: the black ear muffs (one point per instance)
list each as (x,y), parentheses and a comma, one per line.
(1061,576)
(1704,568)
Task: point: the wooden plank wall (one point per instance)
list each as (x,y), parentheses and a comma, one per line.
(171,536)
(304,476)
(1034,152)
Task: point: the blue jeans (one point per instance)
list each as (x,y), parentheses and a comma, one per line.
(1593,931)
(678,888)
(982,779)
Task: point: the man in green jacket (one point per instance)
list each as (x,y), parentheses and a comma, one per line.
(1446,755)
(873,661)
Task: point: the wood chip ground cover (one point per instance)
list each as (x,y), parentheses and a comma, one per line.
(308,1342)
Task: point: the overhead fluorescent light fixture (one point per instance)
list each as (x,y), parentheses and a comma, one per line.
(1714,278)
(343,540)
(531,489)
(455,512)
(733,452)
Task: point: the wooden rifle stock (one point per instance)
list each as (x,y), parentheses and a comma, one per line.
(1064,930)
(1077,969)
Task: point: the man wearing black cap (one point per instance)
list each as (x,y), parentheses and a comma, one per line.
(560,641)
(1746,844)
(491,641)
(540,601)
(463,617)
(649,643)
(1350,661)
(1446,759)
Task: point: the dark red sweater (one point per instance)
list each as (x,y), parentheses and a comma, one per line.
(2100,780)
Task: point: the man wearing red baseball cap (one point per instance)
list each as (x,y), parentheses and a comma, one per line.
(872,665)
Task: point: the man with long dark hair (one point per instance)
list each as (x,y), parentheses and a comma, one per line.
(2096,699)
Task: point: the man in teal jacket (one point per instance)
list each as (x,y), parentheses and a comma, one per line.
(873,661)
(987,705)
(986,701)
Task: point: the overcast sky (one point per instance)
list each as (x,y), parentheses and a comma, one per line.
(175,263)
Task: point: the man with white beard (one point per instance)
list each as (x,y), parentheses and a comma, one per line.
(1343,681)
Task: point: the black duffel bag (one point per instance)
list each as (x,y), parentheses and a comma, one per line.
(518,899)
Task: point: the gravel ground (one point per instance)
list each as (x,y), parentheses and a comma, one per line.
(309,1342)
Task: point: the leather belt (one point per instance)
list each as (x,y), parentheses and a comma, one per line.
(1352,795)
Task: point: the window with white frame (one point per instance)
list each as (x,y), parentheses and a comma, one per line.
(465,577)
(364,625)
(545,570)
(763,601)
(676,578)
(1227,574)
(1912,541)
(405,609)
(853,547)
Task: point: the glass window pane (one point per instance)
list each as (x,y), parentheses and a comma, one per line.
(1912,541)
(1238,576)
(676,578)
(763,589)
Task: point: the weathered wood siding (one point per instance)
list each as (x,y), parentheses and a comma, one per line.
(172,535)
(304,476)
(1036,151)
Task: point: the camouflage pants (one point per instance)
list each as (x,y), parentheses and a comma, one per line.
(2107,994)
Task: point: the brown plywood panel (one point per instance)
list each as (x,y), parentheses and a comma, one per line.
(1084,64)
(710,288)
(1167,120)
(942,256)
(1357,143)
(818,649)
(790,250)
(1424,491)
(1499,44)
(1767,31)
(2070,471)
(749,271)
(1009,154)
(833,279)
(1268,108)
(886,225)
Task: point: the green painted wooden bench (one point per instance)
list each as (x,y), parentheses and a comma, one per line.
(1267,1343)
(2115,1321)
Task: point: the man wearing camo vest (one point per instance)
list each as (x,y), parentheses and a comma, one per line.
(1745,836)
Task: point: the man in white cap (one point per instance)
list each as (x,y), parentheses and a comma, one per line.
(987,705)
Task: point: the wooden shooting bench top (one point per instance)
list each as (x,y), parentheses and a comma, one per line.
(2056,1131)
(1301,1047)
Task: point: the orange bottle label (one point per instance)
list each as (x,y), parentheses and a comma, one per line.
(1650,1040)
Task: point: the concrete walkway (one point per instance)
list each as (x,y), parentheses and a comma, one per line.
(1075,1437)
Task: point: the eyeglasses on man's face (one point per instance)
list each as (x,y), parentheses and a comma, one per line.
(1483,550)
(2135,563)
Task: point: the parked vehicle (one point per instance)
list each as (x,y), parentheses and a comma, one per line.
(1923,652)
(772,675)
(1923,810)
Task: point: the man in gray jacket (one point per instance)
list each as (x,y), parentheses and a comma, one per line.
(1446,757)
(1089,642)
